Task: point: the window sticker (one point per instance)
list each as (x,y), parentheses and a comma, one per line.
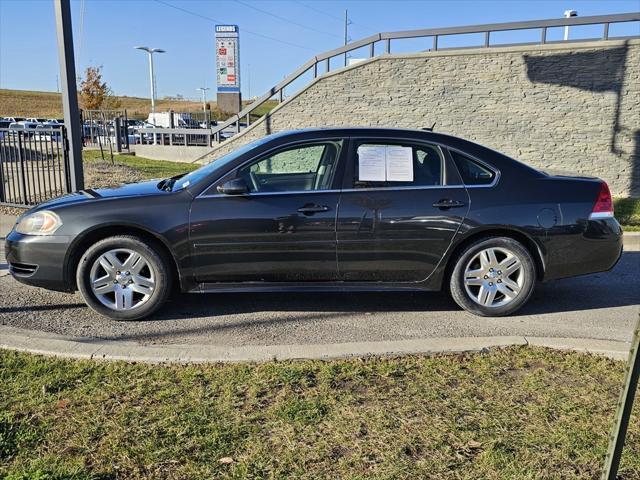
(399,164)
(371,163)
(385,163)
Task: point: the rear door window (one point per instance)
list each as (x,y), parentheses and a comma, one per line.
(397,164)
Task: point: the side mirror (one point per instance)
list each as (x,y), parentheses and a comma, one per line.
(237,186)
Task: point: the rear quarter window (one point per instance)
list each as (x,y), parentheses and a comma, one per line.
(472,172)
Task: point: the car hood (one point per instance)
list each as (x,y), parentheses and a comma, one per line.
(90,194)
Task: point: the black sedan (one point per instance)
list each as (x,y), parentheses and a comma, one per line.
(345,209)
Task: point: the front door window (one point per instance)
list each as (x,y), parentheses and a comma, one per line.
(301,168)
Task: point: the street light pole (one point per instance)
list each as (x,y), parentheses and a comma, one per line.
(204,103)
(152,77)
(153,83)
(568,14)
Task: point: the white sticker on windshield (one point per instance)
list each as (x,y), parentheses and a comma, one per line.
(186,184)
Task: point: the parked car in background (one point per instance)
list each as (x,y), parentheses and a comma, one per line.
(340,209)
(49,132)
(28,125)
(180,120)
(13,119)
(4,124)
(35,120)
(210,124)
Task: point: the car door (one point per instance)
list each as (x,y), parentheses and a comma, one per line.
(282,228)
(401,206)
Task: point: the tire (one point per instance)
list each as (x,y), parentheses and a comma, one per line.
(124,277)
(493,285)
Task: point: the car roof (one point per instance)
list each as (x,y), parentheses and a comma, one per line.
(424,134)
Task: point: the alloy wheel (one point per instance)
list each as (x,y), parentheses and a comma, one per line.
(122,279)
(494,277)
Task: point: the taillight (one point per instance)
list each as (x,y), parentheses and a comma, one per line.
(603,207)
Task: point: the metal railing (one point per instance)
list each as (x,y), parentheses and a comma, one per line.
(234,123)
(188,137)
(34,165)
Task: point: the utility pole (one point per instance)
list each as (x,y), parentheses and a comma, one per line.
(203,90)
(70,109)
(346,33)
(249,80)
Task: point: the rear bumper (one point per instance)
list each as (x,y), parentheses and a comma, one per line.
(597,249)
(38,260)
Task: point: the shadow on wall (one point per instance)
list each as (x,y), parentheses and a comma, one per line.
(593,71)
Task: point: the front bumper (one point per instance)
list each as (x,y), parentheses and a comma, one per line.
(39,260)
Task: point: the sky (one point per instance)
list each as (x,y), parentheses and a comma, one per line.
(276,37)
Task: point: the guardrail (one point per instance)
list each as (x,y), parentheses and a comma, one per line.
(234,123)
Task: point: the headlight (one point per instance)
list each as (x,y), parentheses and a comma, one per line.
(39,223)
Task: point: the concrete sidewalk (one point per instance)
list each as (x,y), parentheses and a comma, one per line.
(6,224)
(92,348)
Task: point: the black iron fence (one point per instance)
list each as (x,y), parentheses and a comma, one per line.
(34,165)
(106,129)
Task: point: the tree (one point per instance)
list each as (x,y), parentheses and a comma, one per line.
(94,93)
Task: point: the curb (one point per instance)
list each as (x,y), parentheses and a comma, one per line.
(631,241)
(91,348)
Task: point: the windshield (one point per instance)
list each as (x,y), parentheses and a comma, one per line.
(219,164)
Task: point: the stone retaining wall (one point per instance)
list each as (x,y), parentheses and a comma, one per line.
(571,108)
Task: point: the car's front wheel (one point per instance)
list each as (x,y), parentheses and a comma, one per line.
(493,277)
(124,277)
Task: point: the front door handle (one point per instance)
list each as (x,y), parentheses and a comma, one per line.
(311,209)
(448,203)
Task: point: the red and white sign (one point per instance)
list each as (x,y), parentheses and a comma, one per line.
(227,74)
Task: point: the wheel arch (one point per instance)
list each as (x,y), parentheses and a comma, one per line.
(519,236)
(100,232)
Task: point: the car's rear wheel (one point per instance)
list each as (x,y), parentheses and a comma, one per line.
(493,277)
(124,277)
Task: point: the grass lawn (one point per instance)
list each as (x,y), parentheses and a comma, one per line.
(627,212)
(515,413)
(147,168)
(27,103)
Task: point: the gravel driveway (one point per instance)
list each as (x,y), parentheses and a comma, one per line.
(602,306)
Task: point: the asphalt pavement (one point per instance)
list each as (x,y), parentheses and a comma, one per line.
(600,306)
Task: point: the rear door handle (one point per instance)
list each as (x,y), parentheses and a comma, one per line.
(448,203)
(311,209)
